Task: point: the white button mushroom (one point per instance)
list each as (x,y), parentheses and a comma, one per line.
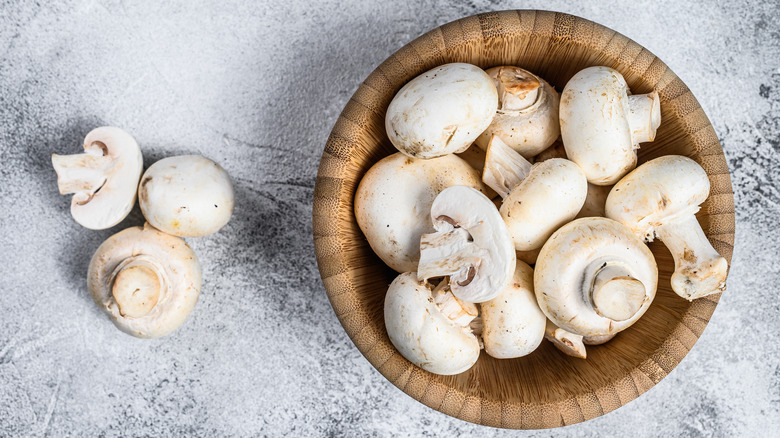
(527,116)
(146,281)
(472,245)
(187,195)
(594,277)
(602,126)
(393,203)
(569,343)
(537,199)
(512,323)
(660,199)
(104,179)
(430,328)
(442,111)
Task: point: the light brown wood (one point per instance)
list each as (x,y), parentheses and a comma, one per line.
(545,389)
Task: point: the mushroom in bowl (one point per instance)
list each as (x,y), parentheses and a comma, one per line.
(660,199)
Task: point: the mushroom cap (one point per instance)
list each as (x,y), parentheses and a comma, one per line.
(114,200)
(659,191)
(176,265)
(595,128)
(393,203)
(550,196)
(489,262)
(422,334)
(186,195)
(568,263)
(512,323)
(528,130)
(442,111)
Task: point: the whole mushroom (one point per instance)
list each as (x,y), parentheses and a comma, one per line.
(512,323)
(660,199)
(442,111)
(471,245)
(393,203)
(146,281)
(186,195)
(430,328)
(103,179)
(527,115)
(538,199)
(594,277)
(602,125)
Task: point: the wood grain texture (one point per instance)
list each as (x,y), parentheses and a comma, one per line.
(545,389)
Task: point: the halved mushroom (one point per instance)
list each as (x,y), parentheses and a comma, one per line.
(602,126)
(104,179)
(145,280)
(187,195)
(569,343)
(660,199)
(442,111)
(527,115)
(393,203)
(512,323)
(471,246)
(430,328)
(594,277)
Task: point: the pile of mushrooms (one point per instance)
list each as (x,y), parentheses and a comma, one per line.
(146,279)
(496,172)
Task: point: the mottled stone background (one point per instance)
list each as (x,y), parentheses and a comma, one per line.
(257,87)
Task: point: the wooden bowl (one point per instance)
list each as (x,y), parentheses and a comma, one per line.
(545,389)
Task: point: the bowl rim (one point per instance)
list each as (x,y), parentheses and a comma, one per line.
(332,188)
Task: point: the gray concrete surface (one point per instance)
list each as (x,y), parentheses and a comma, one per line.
(257,87)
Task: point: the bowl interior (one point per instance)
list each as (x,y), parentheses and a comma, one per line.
(546,388)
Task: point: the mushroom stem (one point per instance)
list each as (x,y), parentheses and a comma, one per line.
(698,269)
(138,285)
(567,342)
(615,294)
(448,253)
(82,174)
(644,116)
(504,167)
(517,89)
(460,312)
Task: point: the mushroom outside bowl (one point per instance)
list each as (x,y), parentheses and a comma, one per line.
(546,388)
